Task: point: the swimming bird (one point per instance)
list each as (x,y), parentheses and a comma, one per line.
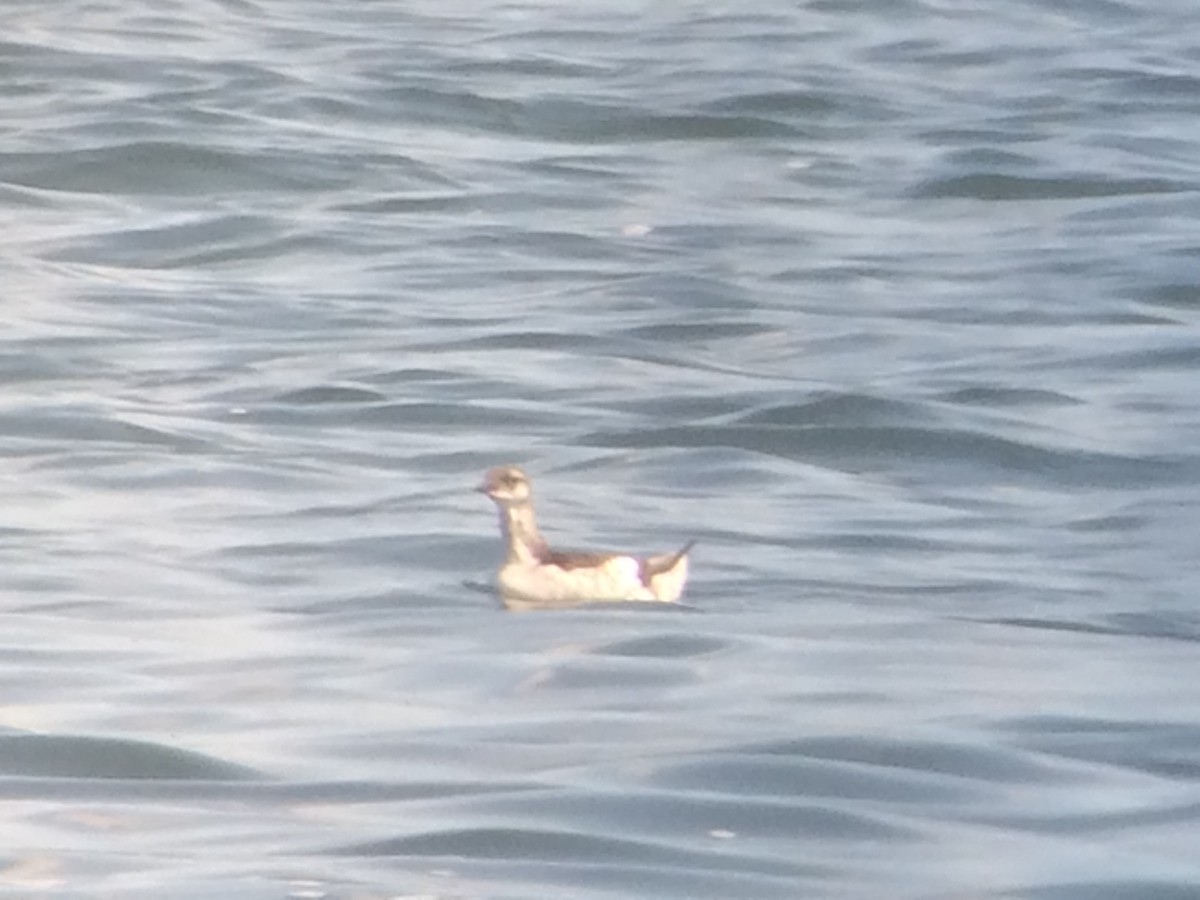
(532,575)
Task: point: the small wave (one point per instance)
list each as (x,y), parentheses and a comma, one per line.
(995,186)
(154,167)
(1007,397)
(333,393)
(853,448)
(560,847)
(665,646)
(33,755)
(1165,748)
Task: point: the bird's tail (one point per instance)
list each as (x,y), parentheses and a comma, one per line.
(681,553)
(666,573)
(665,562)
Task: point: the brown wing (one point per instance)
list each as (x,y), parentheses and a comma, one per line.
(576,559)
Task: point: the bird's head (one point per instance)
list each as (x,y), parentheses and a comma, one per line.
(506,485)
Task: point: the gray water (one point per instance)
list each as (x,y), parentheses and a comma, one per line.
(894,307)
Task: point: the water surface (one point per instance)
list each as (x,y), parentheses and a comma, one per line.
(894,310)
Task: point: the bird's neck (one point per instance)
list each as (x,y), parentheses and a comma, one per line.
(522,540)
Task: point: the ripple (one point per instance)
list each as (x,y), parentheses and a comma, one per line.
(1175,296)
(985,395)
(860,410)
(665,646)
(333,393)
(1182,355)
(91,427)
(772,775)
(959,760)
(698,331)
(209,241)
(850,448)
(141,168)
(1111,889)
(514,844)
(1168,749)
(1115,523)
(1171,626)
(1149,816)
(90,757)
(772,103)
(679,816)
(992,186)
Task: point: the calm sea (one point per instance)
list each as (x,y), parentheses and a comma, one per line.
(894,307)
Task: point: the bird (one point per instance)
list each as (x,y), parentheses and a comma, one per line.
(532,575)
